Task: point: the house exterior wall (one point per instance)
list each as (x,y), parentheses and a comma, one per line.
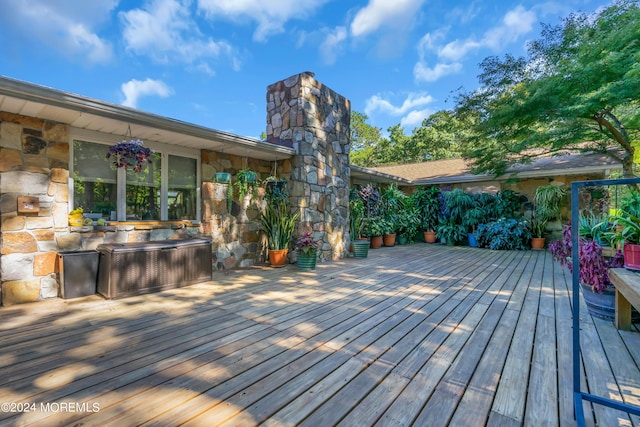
(313,119)
(34,162)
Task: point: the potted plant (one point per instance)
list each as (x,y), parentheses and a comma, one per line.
(538,226)
(473,217)
(307,251)
(504,234)
(278,223)
(594,267)
(450,231)
(389,230)
(628,234)
(408,224)
(223,177)
(245,182)
(359,246)
(129,154)
(430,208)
(375,228)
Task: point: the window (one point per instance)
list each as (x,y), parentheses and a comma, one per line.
(166,189)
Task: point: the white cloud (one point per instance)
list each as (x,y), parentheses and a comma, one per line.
(516,23)
(269,15)
(165,32)
(384,13)
(330,47)
(414,118)
(413,100)
(422,72)
(68,26)
(134,89)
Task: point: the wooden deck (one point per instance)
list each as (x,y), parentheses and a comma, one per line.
(419,335)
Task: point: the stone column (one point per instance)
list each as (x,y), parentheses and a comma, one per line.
(313,119)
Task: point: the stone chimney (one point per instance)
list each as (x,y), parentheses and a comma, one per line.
(306,115)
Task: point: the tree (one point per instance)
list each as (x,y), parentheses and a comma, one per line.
(365,141)
(441,136)
(577,90)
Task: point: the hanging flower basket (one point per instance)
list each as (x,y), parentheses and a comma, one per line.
(129,154)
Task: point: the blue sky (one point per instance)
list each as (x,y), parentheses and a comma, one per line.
(208,62)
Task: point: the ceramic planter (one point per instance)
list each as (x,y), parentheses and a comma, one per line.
(307,261)
(360,248)
(631,254)
(223,177)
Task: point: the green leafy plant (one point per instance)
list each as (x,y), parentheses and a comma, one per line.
(457,203)
(306,244)
(508,204)
(376,226)
(450,231)
(356,218)
(547,200)
(428,202)
(537,225)
(245,182)
(504,234)
(628,230)
(278,222)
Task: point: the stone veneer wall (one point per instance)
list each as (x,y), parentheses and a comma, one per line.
(34,161)
(313,119)
(236,236)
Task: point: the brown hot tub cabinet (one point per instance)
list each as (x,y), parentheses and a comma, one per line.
(128,269)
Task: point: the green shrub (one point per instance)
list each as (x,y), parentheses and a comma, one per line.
(504,234)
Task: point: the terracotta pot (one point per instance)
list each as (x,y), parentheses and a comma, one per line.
(278,257)
(631,254)
(376,242)
(430,236)
(537,243)
(389,239)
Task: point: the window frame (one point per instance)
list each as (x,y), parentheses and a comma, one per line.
(164,149)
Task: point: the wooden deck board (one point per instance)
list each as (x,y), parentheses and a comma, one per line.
(413,335)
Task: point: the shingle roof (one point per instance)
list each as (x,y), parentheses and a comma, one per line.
(452,170)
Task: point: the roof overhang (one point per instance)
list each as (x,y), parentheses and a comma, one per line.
(370,175)
(80,112)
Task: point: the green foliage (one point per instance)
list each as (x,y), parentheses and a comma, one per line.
(439,137)
(595,227)
(504,234)
(428,202)
(628,230)
(538,225)
(577,89)
(450,231)
(508,204)
(356,217)
(547,200)
(458,202)
(376,226)
(279,223)
(245,183)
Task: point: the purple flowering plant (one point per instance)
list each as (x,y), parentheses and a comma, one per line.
(306,243)
(129,154)
(594,266)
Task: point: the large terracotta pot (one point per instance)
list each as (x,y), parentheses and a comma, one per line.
(631,253)
(278,257)
(537,243)
(430,236)
(376,242)
(389,239)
